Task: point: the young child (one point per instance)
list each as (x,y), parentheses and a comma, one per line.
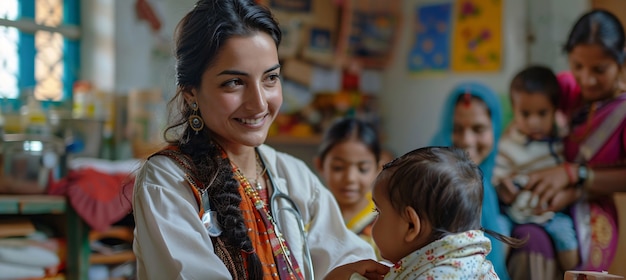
(429,203)
(532,142)
(348,162)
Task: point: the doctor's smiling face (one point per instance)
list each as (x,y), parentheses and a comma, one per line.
(240,93)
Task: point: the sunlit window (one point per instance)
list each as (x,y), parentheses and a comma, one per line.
(38,48)
(49,49)
(9,65)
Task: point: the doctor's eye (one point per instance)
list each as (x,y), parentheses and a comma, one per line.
(233,83)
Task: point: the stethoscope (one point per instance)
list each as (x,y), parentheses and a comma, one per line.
(209,219)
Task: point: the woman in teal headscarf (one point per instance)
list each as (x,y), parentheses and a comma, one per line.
(471,119)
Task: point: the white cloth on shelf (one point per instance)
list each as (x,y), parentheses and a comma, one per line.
(28,255)
(105,165)
(17,271)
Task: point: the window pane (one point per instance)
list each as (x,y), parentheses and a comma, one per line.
(8,51)
(8,62)
(45,53)
(49,51)
(48,65)
(49,12)
(8,9)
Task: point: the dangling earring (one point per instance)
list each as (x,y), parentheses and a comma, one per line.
(195,122)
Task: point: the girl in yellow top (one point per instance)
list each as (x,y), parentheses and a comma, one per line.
(348,161)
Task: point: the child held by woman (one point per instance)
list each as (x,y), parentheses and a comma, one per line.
(533,142)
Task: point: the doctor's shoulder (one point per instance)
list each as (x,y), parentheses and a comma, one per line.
(162,172)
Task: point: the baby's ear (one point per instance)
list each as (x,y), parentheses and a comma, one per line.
(414,222)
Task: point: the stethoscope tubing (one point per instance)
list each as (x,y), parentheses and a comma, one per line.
(291,208)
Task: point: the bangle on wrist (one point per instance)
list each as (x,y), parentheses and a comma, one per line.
(583,176)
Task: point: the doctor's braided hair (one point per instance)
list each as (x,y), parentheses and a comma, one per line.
(199,38)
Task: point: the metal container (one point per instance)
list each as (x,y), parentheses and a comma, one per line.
(29,162)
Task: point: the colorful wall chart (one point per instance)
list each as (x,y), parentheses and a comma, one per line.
(477,36)
(431,49)
(301,6)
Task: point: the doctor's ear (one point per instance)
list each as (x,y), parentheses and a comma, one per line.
(189,93)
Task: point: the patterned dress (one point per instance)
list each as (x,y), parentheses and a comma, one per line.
(458,256)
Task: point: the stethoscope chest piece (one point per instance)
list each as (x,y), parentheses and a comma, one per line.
(209,220)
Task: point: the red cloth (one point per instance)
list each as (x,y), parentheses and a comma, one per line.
(570,99)
(100,199)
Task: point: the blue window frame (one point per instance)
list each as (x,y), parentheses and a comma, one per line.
(39,48)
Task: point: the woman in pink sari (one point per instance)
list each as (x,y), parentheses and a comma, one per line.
(594,99)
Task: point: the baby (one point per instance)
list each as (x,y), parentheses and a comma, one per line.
(429,203)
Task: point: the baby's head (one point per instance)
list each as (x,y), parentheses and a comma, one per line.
(423,196)
(534,98)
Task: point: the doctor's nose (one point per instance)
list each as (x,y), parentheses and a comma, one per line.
(255,98)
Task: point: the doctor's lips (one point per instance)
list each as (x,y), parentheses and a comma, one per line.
(253,121)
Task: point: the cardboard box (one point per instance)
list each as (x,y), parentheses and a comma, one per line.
(589,275)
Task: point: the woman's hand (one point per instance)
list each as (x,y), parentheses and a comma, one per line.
(369,269)
(563,199)
(547,183)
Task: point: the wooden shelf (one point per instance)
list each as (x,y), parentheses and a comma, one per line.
(76,229)
(32,204)
(294,140)
(119,232)
(116,258)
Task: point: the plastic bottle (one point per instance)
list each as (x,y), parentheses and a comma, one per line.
(83,105)
(34,117)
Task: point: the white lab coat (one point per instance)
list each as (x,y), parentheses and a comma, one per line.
(171,242)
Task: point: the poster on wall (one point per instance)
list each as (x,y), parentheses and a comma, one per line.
(372,36)
(369,32)
(298,6)
(431,49)
(477,36)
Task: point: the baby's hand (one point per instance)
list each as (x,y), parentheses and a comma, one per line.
(507,191)
(369,269)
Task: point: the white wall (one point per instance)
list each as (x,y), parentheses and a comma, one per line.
(550,22)
(98,43)
(120,52)
(411,104)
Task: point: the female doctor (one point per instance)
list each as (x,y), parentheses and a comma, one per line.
(216,203)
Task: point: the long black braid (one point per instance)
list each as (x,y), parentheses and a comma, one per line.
(216,174)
